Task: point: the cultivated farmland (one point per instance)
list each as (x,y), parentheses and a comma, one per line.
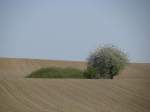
(128,92)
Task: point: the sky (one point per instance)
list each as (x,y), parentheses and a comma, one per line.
(71,29)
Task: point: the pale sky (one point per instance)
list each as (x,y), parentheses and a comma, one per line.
(70,29)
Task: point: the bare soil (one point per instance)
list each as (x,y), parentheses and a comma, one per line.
(128,92)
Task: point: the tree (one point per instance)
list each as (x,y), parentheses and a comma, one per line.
(105,62)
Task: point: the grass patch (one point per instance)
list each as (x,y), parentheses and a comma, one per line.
(55,72)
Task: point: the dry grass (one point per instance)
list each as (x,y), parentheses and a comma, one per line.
(129,92)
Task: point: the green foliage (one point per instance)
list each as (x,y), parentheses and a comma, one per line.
(90,73)
(55,72)
(104,63)
(107,62)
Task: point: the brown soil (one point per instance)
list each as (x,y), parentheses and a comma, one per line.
(128,92)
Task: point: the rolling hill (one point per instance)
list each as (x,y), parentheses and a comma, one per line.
(128,92)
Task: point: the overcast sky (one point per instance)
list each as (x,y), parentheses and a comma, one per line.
(70,29)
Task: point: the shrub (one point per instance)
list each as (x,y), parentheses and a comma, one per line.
(90,73)
(106,62)
(55,72)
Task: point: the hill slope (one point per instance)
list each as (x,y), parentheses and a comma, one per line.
(128,92)
(18,68)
